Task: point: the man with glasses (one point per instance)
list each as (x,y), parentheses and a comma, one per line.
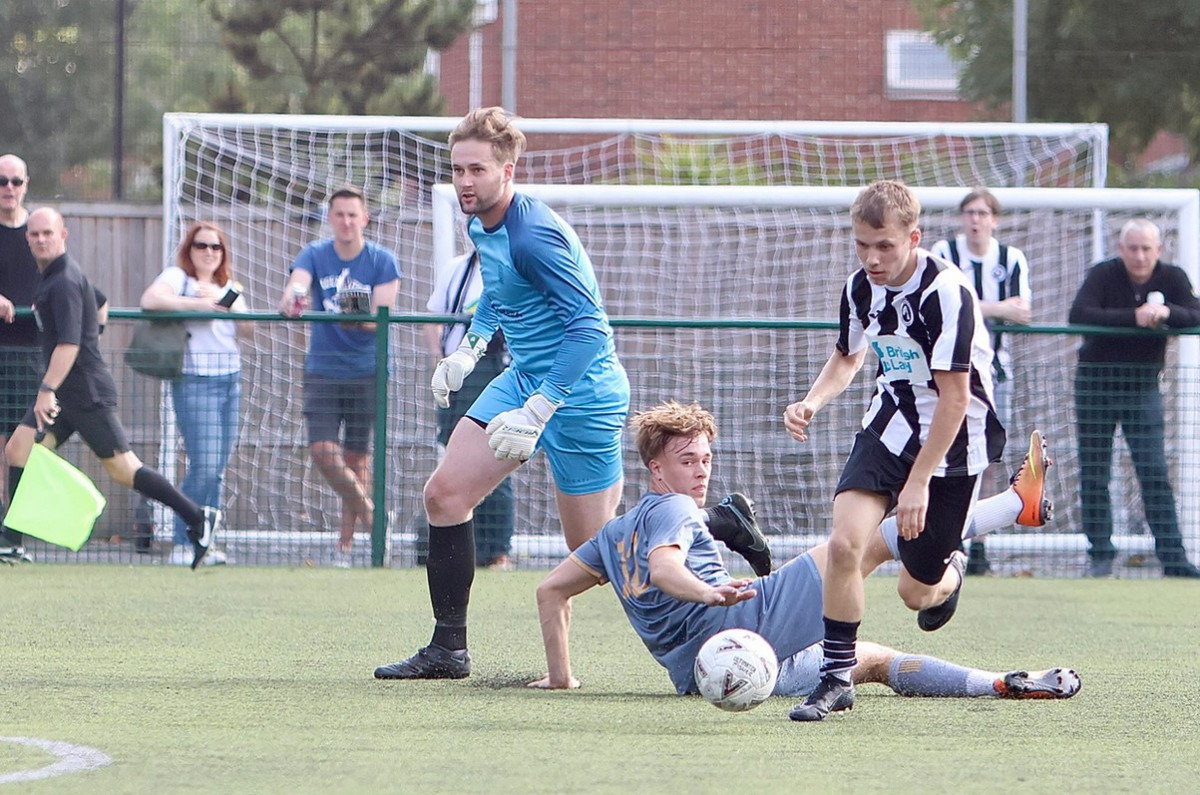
(20,357)
(1000,276)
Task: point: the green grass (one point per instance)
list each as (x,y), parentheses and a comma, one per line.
(259,680)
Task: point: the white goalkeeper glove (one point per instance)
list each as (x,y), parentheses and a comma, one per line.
(450,372)
(514,434)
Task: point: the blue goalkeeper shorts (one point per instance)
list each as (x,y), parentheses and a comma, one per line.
(582,440)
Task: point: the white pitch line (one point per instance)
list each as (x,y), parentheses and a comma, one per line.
(71,759)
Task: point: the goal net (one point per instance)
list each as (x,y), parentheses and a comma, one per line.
(265,179)
(702,283)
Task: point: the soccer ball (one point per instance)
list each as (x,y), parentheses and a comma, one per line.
(736,670)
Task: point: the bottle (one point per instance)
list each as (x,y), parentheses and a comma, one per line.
(299,298)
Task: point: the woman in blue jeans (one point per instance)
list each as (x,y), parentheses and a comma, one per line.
(207,396)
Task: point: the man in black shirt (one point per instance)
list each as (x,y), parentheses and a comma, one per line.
(77,392)
(20,358)
(1116,383)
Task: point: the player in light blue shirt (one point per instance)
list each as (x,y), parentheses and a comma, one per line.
(668,574)
(565,392)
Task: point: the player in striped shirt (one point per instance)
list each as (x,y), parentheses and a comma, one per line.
(928,433)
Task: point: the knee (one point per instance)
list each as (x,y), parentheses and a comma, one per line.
(915,595)
(441,498)
(845,551)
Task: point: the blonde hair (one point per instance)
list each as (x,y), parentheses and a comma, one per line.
(657,426)
(493,126)
(886,196)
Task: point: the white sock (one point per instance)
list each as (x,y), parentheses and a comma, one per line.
(992,514)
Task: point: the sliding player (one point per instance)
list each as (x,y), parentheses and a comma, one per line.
(929,432)
(676,592)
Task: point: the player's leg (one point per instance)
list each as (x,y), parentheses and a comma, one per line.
(102,431)
(16,450)
(934,566)
(734,522)
(467,472)
(583,448)
(919,675)
(856,517)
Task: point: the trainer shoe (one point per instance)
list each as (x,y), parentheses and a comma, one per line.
(202,534)
(14,555)
(1182,569)
(430,662)
(977,559)
(181,555)
(1055,683)
(830,695)
(936,617)
(740,532)
(1029,482)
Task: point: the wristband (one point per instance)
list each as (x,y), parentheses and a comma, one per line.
(44,387)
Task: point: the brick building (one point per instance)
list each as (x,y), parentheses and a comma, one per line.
(741,59)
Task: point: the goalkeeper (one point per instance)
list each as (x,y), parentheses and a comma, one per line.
(565,391)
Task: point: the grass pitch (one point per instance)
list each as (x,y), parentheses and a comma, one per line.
(259,680)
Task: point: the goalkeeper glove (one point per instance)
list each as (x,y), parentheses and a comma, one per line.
(514,434)
(450,372)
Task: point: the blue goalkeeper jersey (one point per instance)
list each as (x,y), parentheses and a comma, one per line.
(540,288)
(672,629)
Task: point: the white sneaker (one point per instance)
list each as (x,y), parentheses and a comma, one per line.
(181,555)
(341,560)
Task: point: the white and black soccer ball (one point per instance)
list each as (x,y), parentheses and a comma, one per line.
(736,670)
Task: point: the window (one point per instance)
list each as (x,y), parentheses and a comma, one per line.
(920,68)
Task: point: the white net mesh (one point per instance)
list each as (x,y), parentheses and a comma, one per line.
(264,179)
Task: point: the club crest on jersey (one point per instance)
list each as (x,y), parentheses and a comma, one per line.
(906,314)
(999,273)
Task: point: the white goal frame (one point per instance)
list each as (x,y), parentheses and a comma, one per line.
(1185,204)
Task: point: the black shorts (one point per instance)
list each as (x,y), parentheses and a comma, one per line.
(20,374)
(873,468)
(98,426)
(331,404)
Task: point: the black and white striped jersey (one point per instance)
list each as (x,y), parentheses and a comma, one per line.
(932,322)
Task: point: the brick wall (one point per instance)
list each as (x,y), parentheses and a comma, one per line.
(806,59)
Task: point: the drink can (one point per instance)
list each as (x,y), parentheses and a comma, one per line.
(299,298)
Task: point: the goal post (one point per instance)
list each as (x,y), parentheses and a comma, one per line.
(782,253)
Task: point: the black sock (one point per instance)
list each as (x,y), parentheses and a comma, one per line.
(450,570)
(8,536)
(148,482)
(841,638)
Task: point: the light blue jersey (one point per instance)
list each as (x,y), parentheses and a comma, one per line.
(540,288)
(335,351)
(787,610)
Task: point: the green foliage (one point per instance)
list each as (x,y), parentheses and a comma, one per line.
(57,78)
(348,56)
(1131,64)
(259,680)
(671,161)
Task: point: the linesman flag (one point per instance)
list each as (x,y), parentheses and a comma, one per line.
(55,501)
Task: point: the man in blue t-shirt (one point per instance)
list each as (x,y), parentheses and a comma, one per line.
(667,572)
(345,274)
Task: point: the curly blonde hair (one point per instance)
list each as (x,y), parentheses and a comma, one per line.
(657,426)
(492,126)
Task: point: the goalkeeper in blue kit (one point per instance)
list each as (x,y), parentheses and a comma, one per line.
(565,392)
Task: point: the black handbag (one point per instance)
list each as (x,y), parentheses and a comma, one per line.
(157,348)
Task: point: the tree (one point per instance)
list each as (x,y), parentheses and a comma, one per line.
(1132,64)
(57,62)
(337,56)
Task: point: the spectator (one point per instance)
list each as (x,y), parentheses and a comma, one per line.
(457,292)
(77,392)
(1000,276)
(207,396)
(1116,383)
(349,275)
(20,356)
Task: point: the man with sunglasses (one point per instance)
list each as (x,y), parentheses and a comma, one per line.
(20,357)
